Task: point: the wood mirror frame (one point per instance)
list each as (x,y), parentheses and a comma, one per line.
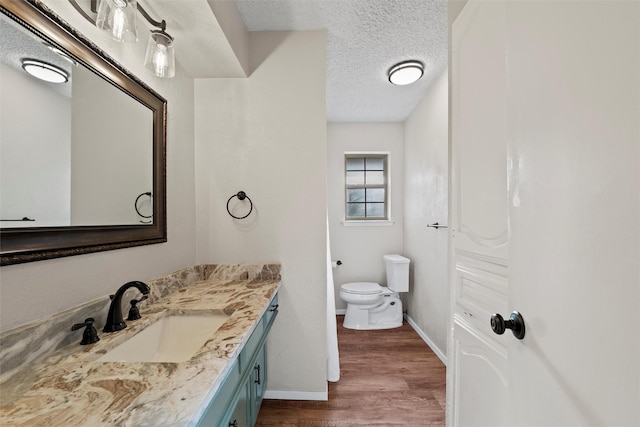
(20,245)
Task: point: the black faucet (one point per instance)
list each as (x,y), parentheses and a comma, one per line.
(115,322)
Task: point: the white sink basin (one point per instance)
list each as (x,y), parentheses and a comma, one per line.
(173,338)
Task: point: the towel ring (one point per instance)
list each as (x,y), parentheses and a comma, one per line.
(135,205)
(241,195)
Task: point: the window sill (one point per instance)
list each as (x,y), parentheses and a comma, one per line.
(368,223)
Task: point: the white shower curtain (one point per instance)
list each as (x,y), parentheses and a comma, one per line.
(333,357)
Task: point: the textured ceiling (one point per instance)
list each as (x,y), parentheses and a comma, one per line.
(365,38)
(17,44)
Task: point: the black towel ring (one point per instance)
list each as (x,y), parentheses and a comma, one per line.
(135,205)
(241,195)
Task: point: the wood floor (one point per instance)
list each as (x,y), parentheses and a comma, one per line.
(388,378)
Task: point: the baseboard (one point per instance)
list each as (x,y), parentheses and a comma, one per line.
(427,340)
(341,311)
(296,395)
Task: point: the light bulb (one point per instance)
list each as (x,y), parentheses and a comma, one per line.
(160,60)
(160,57)
(117,26)
(118,18)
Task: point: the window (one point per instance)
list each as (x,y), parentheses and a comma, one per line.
(366,186)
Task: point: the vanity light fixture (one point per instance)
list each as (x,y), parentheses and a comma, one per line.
(406,72)
(60,53)
(43,71)
(118,18)
(160,57)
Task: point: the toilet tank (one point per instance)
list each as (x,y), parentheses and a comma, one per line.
(397,272)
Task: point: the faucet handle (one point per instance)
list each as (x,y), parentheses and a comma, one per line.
(90,335)
(134,311)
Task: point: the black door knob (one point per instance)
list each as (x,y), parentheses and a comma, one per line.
(515,323)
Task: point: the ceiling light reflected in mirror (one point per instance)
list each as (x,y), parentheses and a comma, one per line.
(60,53)
(43,71)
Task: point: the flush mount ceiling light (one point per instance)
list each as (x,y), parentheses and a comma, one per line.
(118,18)
(406,72)
(43,71)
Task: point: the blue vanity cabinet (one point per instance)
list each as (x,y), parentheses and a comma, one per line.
(238,417)
(258,384)
(237,401)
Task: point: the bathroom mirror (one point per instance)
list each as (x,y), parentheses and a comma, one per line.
(98,182)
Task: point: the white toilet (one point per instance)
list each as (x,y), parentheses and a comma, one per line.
(371,306)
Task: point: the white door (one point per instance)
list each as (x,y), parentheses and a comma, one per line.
(477,361)
(568,106)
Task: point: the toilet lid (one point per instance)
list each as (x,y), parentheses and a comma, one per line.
(362,288)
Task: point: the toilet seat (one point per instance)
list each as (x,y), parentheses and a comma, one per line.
(362,288)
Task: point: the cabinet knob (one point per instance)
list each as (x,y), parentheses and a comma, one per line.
(234,423)
(515,323)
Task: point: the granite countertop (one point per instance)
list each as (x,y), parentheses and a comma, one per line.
(70,387)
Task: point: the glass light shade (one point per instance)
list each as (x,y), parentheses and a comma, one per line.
(160,57)
(406,72)
(118,18)
(44,71)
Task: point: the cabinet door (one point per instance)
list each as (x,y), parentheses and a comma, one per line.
(258,383)
(239,417)
(223,399)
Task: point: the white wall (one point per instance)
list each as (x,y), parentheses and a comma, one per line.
(266,135)
(35,290)
(425,202)
(361,248)
(37,120)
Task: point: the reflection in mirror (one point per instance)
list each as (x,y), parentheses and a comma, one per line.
(71,153)
(82,162)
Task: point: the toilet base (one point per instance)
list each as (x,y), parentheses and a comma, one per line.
(386,315)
